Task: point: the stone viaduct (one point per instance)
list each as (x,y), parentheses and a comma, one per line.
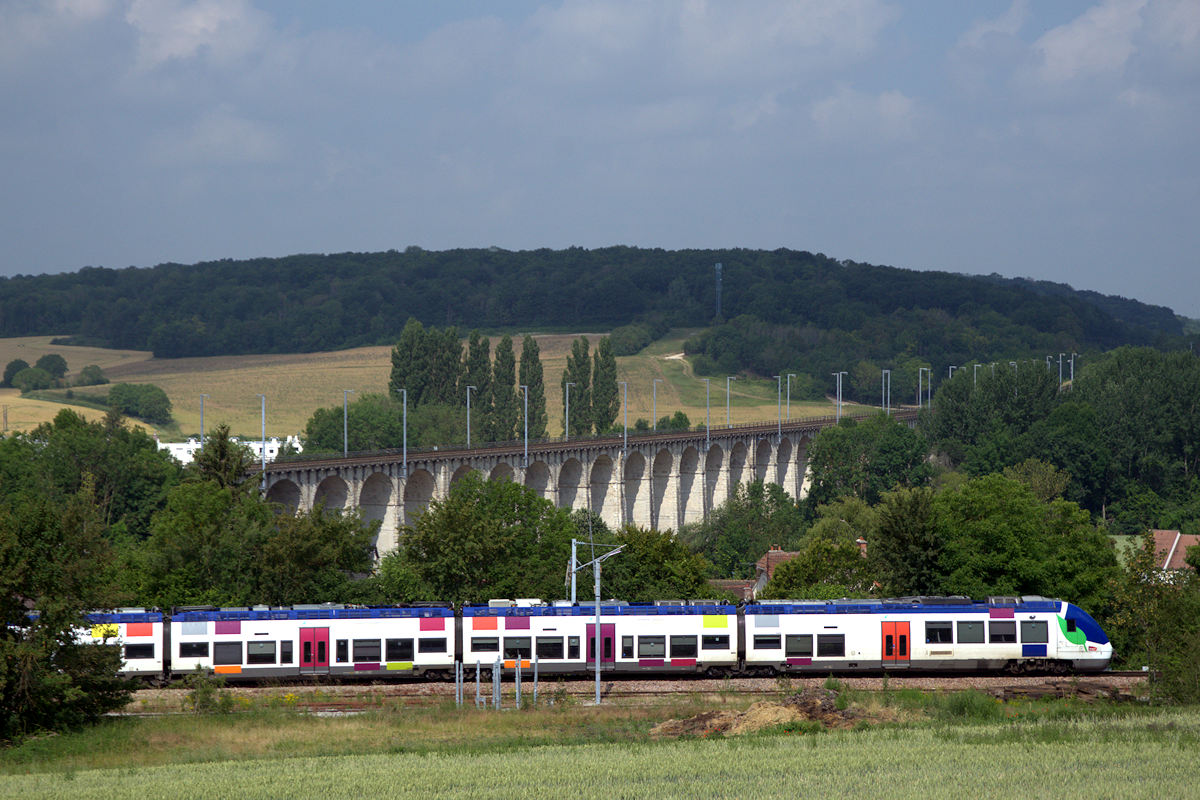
(659,480)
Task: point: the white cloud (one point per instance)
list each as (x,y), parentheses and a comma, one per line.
(175,30)
(856,116)
(28,26)
(1007,24)
(219,138)
(1098,42)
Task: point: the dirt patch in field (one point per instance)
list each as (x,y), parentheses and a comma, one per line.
(809,705)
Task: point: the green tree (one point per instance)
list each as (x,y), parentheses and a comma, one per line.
(906,548)
(12,368)
(998,538)
(410,364)
(371,422)
(676,422)
(314,556)
(1046,481)
(129,475)
(606,400)
(91,375)
(477,372)
(506,403)
(485,539)
(54,364)
(31,379)
(53,554)
(865,459)
(142,400)
(224,462)
(205,547)
(823,570)
(740,530)
(578,373)
(845,520)
(530,374)
(653,566)
(1155,622)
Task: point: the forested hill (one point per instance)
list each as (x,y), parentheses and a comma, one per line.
(322,302)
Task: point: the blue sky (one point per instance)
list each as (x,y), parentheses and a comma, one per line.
(1054,140)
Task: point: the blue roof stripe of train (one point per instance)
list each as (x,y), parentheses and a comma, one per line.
(916,634)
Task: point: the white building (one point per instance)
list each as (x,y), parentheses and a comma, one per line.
(184,452)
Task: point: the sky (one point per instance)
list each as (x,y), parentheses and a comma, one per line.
(1052,140)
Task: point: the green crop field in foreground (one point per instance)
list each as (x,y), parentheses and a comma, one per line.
(1137,755)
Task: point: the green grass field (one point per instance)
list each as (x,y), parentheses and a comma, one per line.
(298,384)
(958,749)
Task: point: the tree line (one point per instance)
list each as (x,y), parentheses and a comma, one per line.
(305,303)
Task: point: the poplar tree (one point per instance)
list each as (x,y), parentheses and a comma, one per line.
(410,367)
(531,376)
(606,401)
(477,372)
(506,405)
(578,372)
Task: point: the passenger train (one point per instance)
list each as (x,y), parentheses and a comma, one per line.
(926,634)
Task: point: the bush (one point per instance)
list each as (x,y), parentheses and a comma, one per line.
(142,400)
(12,368)
(31,379)
(53,363)
(91,375)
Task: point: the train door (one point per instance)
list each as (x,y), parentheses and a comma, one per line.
(895,644)
(608,637)
(314,650)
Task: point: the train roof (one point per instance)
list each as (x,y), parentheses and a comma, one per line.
(608,608)
(322,611)
(927,605)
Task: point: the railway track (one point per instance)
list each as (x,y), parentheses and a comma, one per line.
(358,697)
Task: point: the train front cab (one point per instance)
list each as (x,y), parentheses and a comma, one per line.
(1083,642)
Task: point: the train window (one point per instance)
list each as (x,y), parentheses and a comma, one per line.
(652,646)
(518,647)
(1034,633)
(549,647)
(626,647)
(683,647)
(402,649)
(831,645)
(260,652)
(767,641)
(970,633)
(193,649)
(343,650)
(227,653)
(366,650)
(1002,632)
(485,644)
(1070,626)
(939,632)
(714,642)
(572,647)
(798,645)
(431,645)
(285,652)
(136,651)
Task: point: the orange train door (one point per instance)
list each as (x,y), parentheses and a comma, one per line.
(895,644)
